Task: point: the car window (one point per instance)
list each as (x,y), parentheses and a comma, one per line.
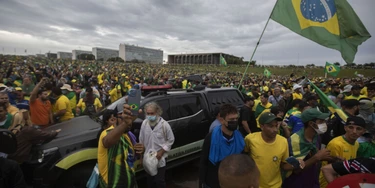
(185,106)
(218,98)
(164,104)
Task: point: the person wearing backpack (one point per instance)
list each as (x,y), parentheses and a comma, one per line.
(88,105)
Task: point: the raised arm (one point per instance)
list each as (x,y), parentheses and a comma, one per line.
(34,93)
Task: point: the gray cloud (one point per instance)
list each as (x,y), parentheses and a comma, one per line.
(174,26)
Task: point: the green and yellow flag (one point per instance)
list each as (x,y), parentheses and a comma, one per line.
(331,23)
(267,73)
(222,61)
(332,107)
(332,69)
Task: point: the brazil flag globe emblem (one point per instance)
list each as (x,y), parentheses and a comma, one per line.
(317,13)
(331,69)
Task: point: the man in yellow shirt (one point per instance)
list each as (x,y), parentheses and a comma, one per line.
(269,151)
(345,146)
(113,93)
(297,92)
(356,93)
(61,108)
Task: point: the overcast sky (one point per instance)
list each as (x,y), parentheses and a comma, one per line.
(175,26)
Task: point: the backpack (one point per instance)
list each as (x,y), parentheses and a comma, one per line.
(90,108)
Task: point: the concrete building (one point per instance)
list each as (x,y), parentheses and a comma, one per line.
(103,54)
(51,55)
(64,55)
(148,55)
(76,53)
(40,55)
(199,58)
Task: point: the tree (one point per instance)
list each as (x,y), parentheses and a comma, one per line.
(116,59)
(253,62)
(86,57)
(337,63)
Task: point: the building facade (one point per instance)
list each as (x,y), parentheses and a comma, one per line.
(51,55)
(76,53)
(103,54)
(148,55)
(199,58)
(64,55)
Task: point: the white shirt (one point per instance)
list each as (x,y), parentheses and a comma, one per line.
(161,137)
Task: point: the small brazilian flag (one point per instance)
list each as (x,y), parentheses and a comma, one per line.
(331,23)
(222,61)
(338,112)
(332,69)
(267,73)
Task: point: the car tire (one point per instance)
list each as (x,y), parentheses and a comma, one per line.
(76,176)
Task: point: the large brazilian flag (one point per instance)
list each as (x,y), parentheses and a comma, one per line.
(331,23)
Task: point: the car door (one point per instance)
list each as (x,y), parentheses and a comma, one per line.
(188,119)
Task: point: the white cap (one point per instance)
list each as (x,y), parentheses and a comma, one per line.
(296,86)
(67,87)
(347,88)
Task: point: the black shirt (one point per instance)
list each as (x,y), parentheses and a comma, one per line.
(247,114)
(358,165)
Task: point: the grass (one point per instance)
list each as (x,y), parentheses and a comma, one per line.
(284,71)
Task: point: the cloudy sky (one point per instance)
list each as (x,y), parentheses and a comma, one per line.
(175,26)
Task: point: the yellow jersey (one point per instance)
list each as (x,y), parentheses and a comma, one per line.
(63,103)
(113,95)
(339,147)
(297,95)
(268,157)
(354,97)
(82,105)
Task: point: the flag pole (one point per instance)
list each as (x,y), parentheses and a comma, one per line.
(255,49)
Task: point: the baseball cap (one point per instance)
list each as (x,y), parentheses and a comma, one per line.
(347,88)
(268,117)
(354,120)
(313,113)
(67,87)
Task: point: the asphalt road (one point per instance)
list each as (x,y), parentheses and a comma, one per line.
(184,176)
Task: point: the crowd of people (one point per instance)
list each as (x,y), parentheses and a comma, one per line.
(284,135)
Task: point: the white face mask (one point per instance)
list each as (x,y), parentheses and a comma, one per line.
(322,128)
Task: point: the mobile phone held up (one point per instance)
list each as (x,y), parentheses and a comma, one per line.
(134,100)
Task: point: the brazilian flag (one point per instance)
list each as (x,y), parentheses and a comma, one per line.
(338,112)
(222,61)
(267,73)
(331,23)
(332,69)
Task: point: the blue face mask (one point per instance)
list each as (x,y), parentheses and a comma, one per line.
(151,118)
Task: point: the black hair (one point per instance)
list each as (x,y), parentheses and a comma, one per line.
(302,105)
(57,91)
(256,95)
(106,116)
(295,102)
(40,91)
(265,95)
(227,109)
(276,109)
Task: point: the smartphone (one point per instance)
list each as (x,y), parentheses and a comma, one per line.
(134,100)
(293,161)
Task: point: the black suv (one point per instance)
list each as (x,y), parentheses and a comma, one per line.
(68,160)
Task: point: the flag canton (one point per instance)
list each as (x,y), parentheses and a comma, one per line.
(318,10)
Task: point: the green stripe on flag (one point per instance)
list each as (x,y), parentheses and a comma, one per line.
(329,103)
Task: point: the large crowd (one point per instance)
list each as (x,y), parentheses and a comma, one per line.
(292,137)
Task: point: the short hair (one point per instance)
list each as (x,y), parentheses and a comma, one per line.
(155,106)
(227,109)
(107,115)
(276,109)
(296,101)
(238,165)
(265,95)
(302,105)
(288,91)
(57,91)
